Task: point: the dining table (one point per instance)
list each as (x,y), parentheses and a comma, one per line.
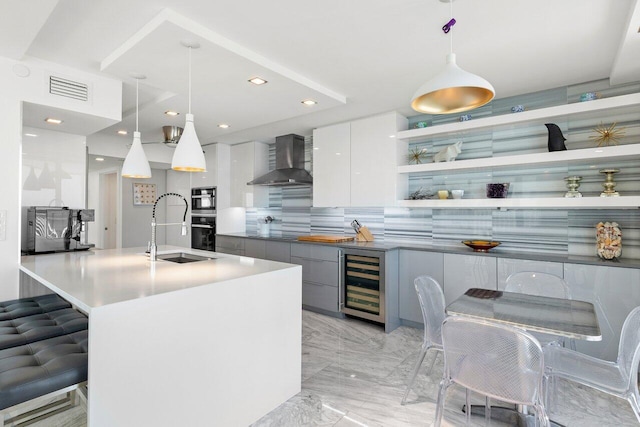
(555,316)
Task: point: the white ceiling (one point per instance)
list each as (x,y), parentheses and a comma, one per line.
(372,53)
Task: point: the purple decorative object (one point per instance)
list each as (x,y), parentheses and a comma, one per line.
(497,191)
(447,27)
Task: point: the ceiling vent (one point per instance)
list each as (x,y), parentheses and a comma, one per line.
(68,88)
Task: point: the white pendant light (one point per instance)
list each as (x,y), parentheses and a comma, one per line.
(188,156)
(453,90)
(136,164)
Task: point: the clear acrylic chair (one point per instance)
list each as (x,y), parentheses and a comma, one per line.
(619,378)
(499,361)
(546,285)
(431,301)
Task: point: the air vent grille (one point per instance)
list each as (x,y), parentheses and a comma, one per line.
(68,88)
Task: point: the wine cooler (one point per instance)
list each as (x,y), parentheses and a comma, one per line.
(362,284)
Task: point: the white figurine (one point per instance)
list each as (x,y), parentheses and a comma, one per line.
(448,153)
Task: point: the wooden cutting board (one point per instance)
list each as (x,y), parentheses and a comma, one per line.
(325,239)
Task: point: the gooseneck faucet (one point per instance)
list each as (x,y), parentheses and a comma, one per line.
(153,248)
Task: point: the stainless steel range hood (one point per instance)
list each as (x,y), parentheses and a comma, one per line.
(289,164)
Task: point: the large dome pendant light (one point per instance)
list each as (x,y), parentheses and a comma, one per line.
(453,90)
(136,164)
(188,156)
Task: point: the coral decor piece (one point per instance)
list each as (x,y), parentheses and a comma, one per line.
(607,134)
(608,240)
(556,138)
(416,155)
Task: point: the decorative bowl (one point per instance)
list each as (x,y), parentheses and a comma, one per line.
(481,245)
(497,191)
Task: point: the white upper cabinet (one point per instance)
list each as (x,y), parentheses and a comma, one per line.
(355,164)
(210,177)
(248,161)
(375,156)
(331,166)
(178,182)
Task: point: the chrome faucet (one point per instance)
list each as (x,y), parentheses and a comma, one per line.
(153,248)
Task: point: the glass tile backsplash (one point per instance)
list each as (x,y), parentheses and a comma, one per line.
(543,231)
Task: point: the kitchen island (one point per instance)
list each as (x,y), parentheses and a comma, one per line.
(212,342)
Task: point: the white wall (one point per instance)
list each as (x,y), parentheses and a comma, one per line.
(107,102)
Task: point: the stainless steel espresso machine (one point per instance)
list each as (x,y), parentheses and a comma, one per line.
(57,229)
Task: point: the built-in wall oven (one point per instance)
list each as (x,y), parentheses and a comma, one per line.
(362,284)
(203,218)
(203,232)
(203,201)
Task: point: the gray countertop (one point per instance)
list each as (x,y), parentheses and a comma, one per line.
(452,249)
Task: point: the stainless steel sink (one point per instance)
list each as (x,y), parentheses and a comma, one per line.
(182,258)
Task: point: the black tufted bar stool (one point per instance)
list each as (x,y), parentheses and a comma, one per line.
(44,368)
(37,327)
(29,306)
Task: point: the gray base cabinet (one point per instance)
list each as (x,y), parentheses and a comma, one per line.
(230,245)
(266,249)
(508,266)
(462,272)
(614,292)
(320,277)
(412,265)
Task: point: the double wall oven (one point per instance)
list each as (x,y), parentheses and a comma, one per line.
(203,218)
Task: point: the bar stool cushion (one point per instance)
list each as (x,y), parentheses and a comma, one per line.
(28,306)
(25,330)
(36,369)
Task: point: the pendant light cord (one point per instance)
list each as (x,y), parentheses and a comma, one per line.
(137,103)
(451,17)
(189,79)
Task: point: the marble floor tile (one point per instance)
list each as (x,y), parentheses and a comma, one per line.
(354,375)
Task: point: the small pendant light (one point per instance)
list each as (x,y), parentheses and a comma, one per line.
(188,156)
(136,164)
(453,90)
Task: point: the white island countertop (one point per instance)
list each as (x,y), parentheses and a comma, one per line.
(91,279)
(212,342)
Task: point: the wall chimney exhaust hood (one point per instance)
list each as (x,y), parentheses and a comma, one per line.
(289,164)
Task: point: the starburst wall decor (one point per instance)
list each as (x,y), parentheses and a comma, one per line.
(416,155)
(607,135)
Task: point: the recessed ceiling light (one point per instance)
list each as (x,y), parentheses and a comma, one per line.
(33,135)
(122,132)
(309,102)
(53,121)
(99,159)
(224,126)
(171,113)
(257,81)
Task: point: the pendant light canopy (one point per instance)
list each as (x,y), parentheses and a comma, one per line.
(136,164)
(188,156)
(453,90)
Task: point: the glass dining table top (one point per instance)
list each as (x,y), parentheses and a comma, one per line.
(555,316)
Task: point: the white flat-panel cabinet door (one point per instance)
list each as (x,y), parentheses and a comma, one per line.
(248,161)
(331,166)
(178,182)
(375,155)
(462,272)
(208,178)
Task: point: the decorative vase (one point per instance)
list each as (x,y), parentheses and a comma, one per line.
(573,182)
(556,138)
(609,184)
(497,191)
(608,240)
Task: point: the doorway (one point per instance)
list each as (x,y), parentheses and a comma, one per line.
(109,209)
